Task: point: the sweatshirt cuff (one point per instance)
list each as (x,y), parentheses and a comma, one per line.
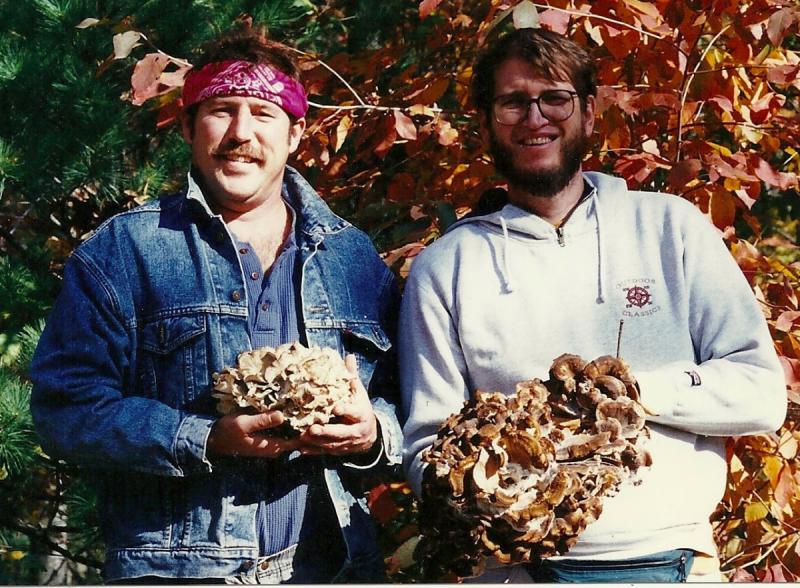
(662,390)
(190,443)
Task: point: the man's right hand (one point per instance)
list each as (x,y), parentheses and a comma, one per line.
(244,435)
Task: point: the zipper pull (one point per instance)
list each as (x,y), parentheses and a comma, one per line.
(560,235)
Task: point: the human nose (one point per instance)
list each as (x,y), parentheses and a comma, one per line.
(533,114)
(240,128)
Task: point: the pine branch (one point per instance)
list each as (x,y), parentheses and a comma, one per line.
(38,536)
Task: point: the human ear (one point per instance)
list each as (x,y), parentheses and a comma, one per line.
(296,133)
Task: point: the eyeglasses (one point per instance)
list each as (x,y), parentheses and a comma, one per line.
(555,106)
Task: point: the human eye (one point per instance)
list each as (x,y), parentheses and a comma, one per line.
(513,102)
(555,97)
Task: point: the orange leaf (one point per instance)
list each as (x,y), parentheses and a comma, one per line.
(785,489)
(447,134)
(722,208)
(404,126)
(427,6)
(431,92)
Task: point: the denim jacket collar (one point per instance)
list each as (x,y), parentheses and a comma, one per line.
(314,217)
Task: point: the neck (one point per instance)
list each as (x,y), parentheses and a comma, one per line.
(552,208)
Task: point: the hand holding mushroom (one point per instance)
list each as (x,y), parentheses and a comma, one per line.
(301,390)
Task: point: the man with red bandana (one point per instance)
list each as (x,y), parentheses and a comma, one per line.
(159,298)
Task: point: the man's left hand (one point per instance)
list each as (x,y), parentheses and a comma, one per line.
(356,429)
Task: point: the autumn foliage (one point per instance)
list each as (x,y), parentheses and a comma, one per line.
(700,98)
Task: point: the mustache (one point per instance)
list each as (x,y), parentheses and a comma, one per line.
(239,151)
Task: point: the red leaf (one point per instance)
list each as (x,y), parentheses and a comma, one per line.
(169,113)
(786,320)
(684,172)
(402,188)
(765,173)
(427,6)
(783,74)
(555,20)
(381,504)
(779,22)
(774,574)
(145,78)
(387,136)
(405,126)
(791,370)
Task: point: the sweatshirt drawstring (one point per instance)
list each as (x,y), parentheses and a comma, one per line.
(600,293)
(506,272)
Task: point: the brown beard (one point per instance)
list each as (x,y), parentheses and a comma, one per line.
(545,183)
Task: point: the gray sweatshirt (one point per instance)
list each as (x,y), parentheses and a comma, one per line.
(498,297)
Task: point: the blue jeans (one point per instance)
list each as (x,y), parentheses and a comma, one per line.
(666,566)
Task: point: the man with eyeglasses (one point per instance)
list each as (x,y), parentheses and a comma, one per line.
(554,269)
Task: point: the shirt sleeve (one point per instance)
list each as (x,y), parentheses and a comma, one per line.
(78,402)
(432,367)
(735,386)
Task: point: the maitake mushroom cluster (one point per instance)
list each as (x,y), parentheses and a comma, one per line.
(519,477)
(302,383)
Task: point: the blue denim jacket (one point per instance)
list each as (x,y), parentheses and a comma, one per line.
(152,304)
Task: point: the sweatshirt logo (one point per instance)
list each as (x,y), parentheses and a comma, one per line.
(638,297)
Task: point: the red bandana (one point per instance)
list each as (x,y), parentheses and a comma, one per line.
(245,78)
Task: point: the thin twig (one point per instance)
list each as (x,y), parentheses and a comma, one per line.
(368,107)
(177,60)
(334,72)
(608,19)
(685,92)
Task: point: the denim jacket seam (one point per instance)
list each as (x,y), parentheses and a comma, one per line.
(106,285)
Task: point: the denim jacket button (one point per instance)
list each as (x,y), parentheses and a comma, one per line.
(236,296)
(246,566)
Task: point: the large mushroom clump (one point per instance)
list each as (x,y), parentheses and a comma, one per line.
(519,477)
(302,383)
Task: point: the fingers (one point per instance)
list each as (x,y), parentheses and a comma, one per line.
(243,435)
(250,423)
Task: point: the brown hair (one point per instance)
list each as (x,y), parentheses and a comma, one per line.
(552,55)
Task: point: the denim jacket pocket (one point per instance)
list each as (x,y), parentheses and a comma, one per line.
(172,363)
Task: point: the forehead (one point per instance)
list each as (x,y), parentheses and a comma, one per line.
(238,102)
(518,75)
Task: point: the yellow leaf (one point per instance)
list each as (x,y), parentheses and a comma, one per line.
(755,511)
(772,469)
(732,184)
(341,132)
(722,149)
(736,464)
